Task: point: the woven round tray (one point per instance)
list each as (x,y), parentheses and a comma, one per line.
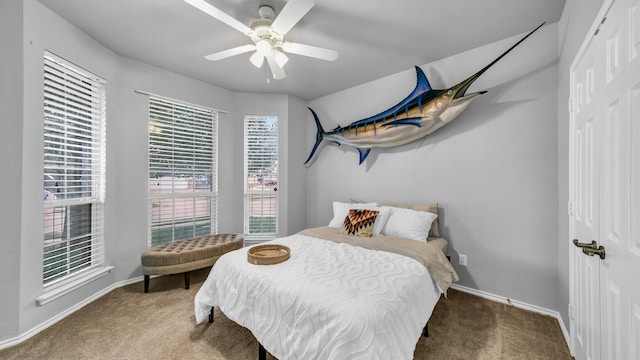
(268,254)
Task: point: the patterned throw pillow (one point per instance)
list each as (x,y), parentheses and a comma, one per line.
(359,222)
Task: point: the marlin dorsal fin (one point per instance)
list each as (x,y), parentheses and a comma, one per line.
(423,82)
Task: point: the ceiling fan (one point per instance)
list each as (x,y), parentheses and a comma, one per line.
(267,34)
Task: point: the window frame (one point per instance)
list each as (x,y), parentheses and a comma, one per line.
(155,199)
(74,117)
(263,189)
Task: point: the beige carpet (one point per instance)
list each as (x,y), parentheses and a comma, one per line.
(128,324)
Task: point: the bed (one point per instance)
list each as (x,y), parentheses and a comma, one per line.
(338,296)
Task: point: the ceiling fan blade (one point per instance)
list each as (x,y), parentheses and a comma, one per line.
(218,14)
(292,12)
(311,51)
(231,52)
(277,71)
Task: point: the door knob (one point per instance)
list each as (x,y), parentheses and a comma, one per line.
(592,245)
(599,251)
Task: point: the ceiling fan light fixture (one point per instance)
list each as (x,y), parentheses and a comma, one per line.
(281,58)
(257,59)
(264,47)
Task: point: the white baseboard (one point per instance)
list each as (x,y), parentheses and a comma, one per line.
(518,304)
(35,330)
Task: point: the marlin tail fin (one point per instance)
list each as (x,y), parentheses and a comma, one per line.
(319,135)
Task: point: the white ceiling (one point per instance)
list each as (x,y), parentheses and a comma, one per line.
(374,38)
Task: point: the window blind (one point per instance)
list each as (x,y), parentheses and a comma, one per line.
(183,180)
(74,169)
(261,175)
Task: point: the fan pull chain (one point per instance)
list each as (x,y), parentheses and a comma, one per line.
(269,75)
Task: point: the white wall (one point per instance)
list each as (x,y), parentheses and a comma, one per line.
(297,174)
(291,144)
(44,30)
(499,170)
(577,17)
(25,35)
(259,104)
(127,123)
(127,169)
(11,70)
(493,169)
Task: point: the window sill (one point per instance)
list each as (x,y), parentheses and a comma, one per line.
(58,292)
(250,240)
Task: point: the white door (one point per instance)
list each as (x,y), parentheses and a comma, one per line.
(606,189)
(585,269)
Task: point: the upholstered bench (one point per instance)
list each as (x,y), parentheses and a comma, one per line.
(187,255)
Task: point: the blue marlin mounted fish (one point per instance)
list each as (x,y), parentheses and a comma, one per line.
(421,113)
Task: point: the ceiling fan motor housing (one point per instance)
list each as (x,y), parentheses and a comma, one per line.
(262,30)
(266,12)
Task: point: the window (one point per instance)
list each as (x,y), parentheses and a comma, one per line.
(74,170)
(183,181)
(261,176)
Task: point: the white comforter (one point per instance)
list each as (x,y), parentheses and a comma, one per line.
(328,301)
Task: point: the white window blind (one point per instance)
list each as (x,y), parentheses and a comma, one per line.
(183,181)
(74,169)
(261,176)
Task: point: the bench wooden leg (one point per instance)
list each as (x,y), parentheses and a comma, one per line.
(186,280)
(262,353)
(211,316)
(146,283)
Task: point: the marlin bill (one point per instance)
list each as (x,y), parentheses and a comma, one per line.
(421,113)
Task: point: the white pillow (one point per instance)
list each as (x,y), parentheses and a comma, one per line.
(407,223)
(383,215)
(340,211)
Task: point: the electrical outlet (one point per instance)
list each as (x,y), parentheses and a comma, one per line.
(570,312)
(462,259)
